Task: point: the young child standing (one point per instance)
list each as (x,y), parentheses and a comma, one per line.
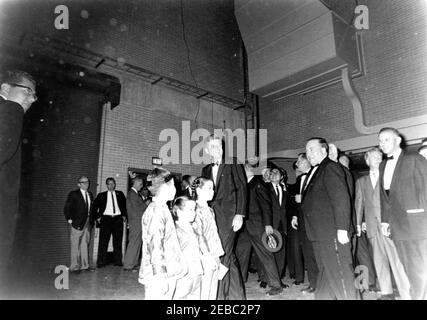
(162,262)
(184,212)
(208,236)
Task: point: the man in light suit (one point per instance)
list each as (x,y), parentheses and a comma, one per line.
(17,93)
(403,193)
(229,205)
(109,209)
(368,206)
(327,209)
(135,207)
(77,212)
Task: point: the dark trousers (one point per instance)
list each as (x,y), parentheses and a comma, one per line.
(336,277)
(251,238)
(309,258)
(110,226)
(362,255)
(295,255)
(231,287)
(413,255)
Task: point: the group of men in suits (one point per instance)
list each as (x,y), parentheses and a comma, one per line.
(389,205)
(109,211)
(17,94)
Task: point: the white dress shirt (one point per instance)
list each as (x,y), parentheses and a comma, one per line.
(389,169)
(374,175)
(84,193)
(215,171)
(109,208)
(278,188)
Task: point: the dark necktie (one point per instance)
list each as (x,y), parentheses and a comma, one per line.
(114,207)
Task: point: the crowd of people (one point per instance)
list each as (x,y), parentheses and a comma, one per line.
(197,244)
(351,235)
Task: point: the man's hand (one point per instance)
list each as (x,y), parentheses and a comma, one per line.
(294,222)
(237,222)
(385,229)
(70,221)
(342,236)
(268,230)
(359,230)
(364,227)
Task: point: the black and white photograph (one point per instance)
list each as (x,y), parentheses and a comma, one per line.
(240,152)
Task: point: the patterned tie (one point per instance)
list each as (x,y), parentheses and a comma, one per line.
(278,194)
(87,203)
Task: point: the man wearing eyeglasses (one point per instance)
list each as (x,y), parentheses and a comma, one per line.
(77,212)
(17,93)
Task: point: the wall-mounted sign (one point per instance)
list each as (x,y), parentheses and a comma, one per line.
(156,161)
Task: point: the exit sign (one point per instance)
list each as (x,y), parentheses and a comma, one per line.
(157,161)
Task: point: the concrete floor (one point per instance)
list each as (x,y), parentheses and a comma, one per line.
(113,283)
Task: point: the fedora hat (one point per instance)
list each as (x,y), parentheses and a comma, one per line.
(277,238)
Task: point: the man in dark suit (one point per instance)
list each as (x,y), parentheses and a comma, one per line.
(279,201)
(186,191)
(135,206)
(259,219)
(303,166)
(403,193)
(109,209)
(17,93)
(229,205)
(368,207)
(326,206)
(77,212)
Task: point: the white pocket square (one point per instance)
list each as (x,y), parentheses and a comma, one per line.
(414,210)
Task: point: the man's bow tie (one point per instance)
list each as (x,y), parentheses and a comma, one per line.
(390,158)
(215,163)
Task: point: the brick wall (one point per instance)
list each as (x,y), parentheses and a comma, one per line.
(130,133)
(393,88)
(145,33)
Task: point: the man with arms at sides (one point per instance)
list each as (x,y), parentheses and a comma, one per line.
(77,212)
(304,166)
(259,219)
(229,205)
(279,199)
(109,209)
(17,93)
(367,205)
(135,206)
(326,206)
(403,194)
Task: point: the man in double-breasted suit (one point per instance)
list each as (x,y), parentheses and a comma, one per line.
(403,193)
(77,212)
(326,207)
(368,206)
(135,208)
(229,205)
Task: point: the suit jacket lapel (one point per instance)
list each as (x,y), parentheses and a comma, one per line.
(313,178)
(218,176)
(397,170)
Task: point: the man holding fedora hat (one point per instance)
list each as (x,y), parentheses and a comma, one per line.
(259,221)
